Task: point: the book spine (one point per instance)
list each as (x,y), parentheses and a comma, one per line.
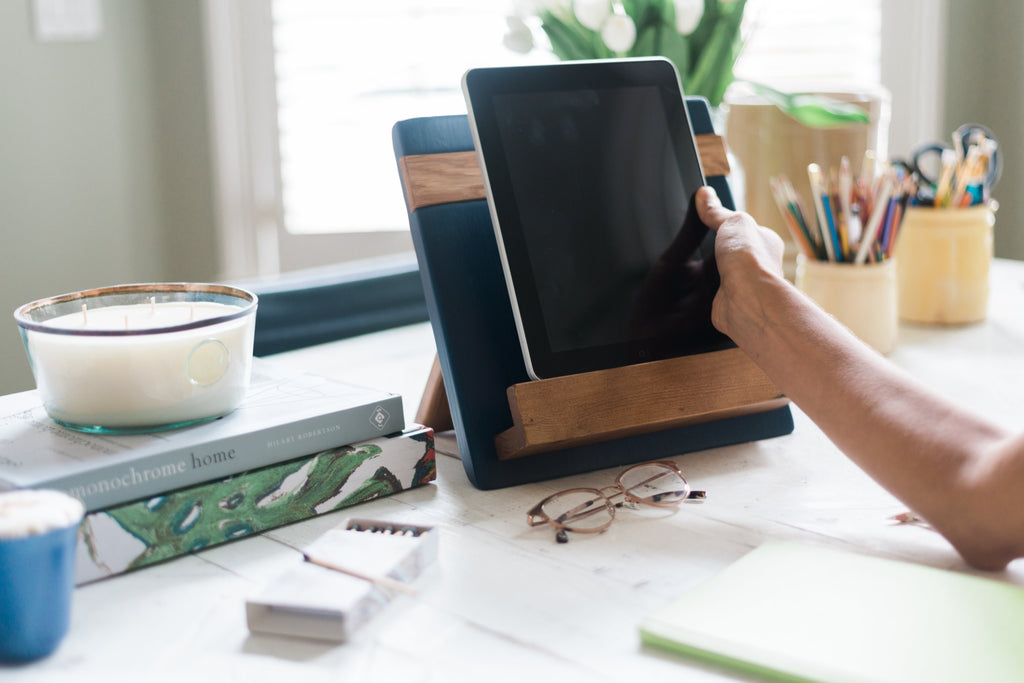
(119,482)
(138,534)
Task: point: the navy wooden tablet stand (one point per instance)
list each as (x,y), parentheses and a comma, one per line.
(481,362)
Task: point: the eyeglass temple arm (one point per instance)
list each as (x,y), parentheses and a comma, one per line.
(536,516)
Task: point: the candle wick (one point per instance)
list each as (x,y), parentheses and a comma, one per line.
(85,318)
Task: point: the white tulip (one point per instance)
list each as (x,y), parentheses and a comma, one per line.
(556,6)
(592,13)
(619,32)
(688,15)
(519,37)
(526,8)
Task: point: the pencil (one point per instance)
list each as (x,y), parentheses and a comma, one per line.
(867,168)
(942,188)
(845,192)
(790,218)
(967,170)
(988,152)
(798,210)
(378,580)
(897,220)
(830,217)
(890,211)
(820,199)
(874,223)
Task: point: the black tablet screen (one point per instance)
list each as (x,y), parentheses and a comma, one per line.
(607,269)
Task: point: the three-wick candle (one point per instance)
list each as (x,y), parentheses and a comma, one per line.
(140,357)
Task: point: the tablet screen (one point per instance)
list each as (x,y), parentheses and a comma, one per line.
(591,170)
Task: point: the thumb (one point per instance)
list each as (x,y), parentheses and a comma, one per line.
(710,209)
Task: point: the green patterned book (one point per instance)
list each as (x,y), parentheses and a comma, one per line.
(140,533)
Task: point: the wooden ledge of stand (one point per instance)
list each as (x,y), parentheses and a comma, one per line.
(431,179)
(562,412)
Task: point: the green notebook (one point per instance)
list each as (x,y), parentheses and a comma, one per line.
(799,613)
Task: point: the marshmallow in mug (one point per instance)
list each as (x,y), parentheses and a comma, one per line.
(28,512)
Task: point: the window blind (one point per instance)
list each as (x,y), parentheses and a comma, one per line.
(345,72)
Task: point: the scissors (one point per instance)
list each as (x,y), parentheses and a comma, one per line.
(926,161)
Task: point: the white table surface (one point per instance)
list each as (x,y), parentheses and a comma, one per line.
(505,602)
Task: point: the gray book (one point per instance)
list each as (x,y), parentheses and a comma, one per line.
(281,417)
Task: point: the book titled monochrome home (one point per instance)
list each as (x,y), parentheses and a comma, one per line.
(140,533)
(282,417)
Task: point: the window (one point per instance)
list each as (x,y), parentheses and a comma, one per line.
(795,42)
(344,74)
(305,93)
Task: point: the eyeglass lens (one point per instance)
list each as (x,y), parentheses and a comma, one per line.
(654,484)
(580,510)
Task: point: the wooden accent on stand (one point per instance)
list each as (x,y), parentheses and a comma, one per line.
(431,179)
(562,412)
(433,410)
(711,149)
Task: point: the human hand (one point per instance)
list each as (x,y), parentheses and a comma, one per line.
(745,252)
(675,299)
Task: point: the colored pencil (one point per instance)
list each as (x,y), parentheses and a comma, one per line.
(819,198)
(789,218)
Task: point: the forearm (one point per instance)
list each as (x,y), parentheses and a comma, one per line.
(925,450)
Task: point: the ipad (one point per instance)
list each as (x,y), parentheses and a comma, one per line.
(591,170)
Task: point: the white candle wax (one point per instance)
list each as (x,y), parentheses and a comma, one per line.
(29,512)
(145,316)
(147,379)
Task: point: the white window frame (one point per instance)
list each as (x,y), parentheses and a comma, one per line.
(239,54)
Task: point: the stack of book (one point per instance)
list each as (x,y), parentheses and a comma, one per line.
(297,447)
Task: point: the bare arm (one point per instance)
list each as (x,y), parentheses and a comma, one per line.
(962,473)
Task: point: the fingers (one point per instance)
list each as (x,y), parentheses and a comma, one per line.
(710,209)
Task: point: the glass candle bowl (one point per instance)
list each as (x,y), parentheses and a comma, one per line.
(142,357)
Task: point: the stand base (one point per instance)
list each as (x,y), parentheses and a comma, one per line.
(590,407)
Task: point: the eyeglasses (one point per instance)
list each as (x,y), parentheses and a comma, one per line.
(590,511)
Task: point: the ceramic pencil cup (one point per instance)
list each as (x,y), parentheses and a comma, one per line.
(863,298)
(944,257)
(38,534)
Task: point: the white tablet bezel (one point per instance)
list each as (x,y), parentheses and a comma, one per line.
(478,85)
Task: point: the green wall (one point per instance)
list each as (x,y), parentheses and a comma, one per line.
(985,84)
(104,169)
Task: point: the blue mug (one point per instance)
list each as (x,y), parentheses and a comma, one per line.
(37,576)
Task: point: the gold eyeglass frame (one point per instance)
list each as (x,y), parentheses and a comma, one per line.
(537,517)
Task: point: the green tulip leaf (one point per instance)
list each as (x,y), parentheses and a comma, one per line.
(814,111)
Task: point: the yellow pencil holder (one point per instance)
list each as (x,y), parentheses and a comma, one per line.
(944,257)
(863,298)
